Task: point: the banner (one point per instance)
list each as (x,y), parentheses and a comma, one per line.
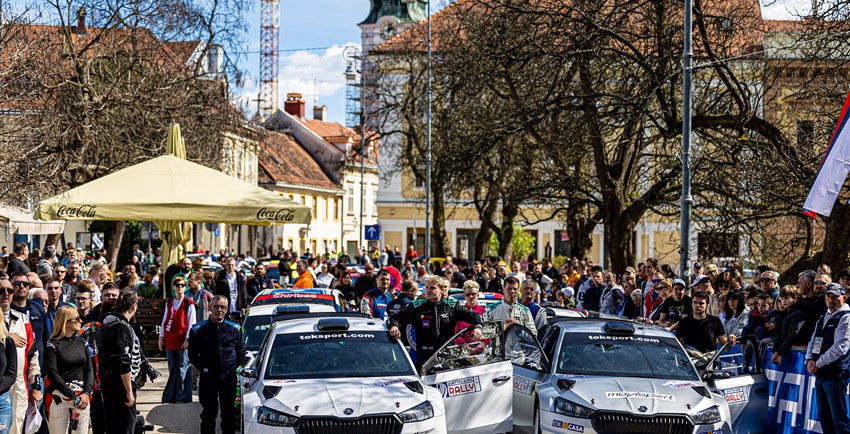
(792,406)
(833,169)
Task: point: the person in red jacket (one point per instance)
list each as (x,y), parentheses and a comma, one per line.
(177,321)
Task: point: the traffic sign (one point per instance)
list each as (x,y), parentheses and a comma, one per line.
(373,232)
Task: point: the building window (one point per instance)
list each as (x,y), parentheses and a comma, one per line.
(315,209)
(303,200)
(351,200)
(327,209)
(335,209)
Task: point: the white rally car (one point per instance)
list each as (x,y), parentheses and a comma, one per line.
(612,376)
(344,374)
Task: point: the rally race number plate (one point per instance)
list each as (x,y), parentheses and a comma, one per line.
(464,386)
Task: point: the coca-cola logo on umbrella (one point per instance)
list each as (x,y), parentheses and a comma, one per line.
(82,211)
(276,215)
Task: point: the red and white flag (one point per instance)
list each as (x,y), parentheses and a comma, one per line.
(833,170)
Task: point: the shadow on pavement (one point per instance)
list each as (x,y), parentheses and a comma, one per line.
(176,418)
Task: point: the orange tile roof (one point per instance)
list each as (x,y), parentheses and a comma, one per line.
(283,160)
(334,133)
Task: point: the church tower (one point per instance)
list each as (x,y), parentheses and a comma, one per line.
(388,18)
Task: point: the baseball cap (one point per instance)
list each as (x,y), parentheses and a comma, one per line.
(569,292)
(697,264)
(680,282)
(700,279)
(835,289)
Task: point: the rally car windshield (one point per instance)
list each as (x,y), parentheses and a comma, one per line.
(603,355)
(336,355)
(256,328)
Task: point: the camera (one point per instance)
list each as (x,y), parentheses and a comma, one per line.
(147,373)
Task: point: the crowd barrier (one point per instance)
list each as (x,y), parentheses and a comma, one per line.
(792,406)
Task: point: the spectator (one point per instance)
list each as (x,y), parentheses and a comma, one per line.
(230,283)
(497,282)
(411,253)
(569,297)
(199,295)
(612,296)
(366,282)
(45,264)
(828,359)
(178,318)
(54,302)
(471,292)
(16,263)
(147,289)
(700,330)
(215,349)
(768,283)
(120,356)
(844,278)
(84,298)
(347,289)
(530,293)
(663,290)
(792,322)
(259,281)
(675,308)
(735,313)
(69,367)
(590,292)
(128,279)
(756,331)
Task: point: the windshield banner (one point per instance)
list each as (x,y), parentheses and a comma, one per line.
(792,406)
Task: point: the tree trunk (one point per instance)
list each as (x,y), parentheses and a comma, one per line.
(618,245)
(440,236)
(53,239)
(836,242)
(506,232)
(114,244)
(580,230)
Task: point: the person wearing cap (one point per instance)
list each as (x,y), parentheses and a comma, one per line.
(697,271)
(828,359)
(569,300)
(677,306)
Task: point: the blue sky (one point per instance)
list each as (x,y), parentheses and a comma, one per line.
(333,23)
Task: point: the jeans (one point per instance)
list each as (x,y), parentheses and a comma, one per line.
(5,412)
(832,405)
(179,385)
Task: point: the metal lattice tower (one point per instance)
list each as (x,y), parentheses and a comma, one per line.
(269,66)
(352,94)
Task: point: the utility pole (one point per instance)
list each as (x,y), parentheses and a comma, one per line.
(687,199)
(428,148)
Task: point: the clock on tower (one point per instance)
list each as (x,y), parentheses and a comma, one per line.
(388,18)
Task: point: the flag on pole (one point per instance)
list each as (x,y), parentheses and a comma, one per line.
(833,169)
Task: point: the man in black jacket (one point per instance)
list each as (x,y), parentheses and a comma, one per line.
(230,284)
(433,319)
(792,322)
(258,282)
(215,350)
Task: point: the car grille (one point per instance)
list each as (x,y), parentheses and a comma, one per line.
(619,423)
(387,424)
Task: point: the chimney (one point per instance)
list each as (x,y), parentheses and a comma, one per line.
(320,113)
(294,105)
(81,21)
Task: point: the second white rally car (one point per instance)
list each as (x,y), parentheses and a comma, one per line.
(342,373)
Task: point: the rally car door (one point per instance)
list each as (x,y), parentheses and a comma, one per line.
(475,381)
(531,368)
(747,395)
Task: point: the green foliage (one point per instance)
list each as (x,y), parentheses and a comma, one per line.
(523,243)
(132,236)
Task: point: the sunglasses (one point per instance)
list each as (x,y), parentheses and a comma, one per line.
(82,298)
(179,285)
(10,290)
(19,283)
(819,282)
(215,306)
(75,319)
(766,280)
(469,294)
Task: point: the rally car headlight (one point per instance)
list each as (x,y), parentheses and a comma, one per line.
(709,415)
(267,416)
(419,413)
(567,408)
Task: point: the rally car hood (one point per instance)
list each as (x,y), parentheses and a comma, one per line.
(345,397)
(636,395)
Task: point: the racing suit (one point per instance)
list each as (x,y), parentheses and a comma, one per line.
(501,311)
(433,323)
(374,303)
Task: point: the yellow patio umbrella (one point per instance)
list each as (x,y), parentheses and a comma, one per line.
(176,236)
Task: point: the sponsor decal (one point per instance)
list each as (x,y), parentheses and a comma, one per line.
(642,395)
(524,385)
(82,211)
(464,386)
(337,336)
(574,427)
(714,431)
(623,338)
(384,382)
(294,295)
(276,215)
(738,394)
(284,381)
(679,384)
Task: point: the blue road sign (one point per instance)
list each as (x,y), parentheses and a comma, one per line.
(373,232)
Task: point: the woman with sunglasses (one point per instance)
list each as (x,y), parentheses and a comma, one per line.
(70,371)
(177,321)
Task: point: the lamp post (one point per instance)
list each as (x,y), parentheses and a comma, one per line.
(354,58)
(687,199)
(428,146)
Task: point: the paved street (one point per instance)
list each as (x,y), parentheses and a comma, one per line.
(170,418)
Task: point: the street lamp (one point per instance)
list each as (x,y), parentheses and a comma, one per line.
(354,67)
